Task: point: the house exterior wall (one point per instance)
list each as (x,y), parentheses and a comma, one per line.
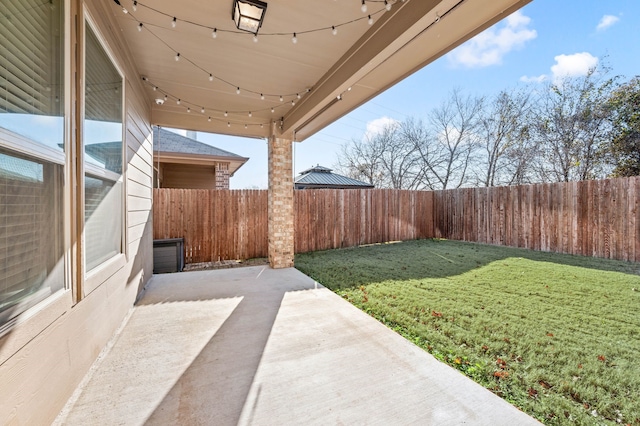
(48,350)
(189,176)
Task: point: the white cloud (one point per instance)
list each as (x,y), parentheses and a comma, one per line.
(489,47)
(533,79)
(575,65)
(377,126)
(606,21)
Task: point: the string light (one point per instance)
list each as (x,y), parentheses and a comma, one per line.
(294,39)
(298,95)
(370,21)
(214,31)
(178,56)
(135,6)
(209,119)
(203,109)
(261,97)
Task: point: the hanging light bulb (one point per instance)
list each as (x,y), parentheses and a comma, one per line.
(178,102)
(293,103)
(363,8)
(334,30)
(370,21)
(387,5)
(228,124)
(135,6)
(281,99)
(177,58)
(237,90)
(250,114)
(166,97)
(140,27)
(272,110)
(261,125)
(255,38)
(245,126)
(209,119)
(154,88)
(339,97)
(188,109)
(294,39)
(125,11)
(202,110)
(174,22)
(261,97)
(226,113)
(298,95)
(210,77)
(214,33)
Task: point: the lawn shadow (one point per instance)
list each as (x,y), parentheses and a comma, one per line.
(420,259)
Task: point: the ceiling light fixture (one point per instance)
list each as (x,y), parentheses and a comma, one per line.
(248,14)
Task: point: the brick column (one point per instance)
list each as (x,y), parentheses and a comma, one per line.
(280,201)
(222,175)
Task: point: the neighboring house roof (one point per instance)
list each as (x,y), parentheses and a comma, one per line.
(169,147)
(322,177)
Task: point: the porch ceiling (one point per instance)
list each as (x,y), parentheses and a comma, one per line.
(357,63)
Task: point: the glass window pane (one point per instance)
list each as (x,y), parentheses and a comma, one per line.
(32,70)
(102,154)
(31,185)
(31,232)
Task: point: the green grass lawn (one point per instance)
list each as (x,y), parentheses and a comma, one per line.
(556,335)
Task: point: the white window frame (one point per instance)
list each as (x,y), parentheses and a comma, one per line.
(95,277)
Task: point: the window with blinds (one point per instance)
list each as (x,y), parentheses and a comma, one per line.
(103,212)
(31,153)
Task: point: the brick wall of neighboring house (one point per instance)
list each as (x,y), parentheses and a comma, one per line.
(222,175)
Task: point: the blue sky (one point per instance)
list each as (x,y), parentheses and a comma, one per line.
(545,39)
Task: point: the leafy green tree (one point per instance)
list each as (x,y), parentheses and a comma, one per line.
(625,143)
(572,128)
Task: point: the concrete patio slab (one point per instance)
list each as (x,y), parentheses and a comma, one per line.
(257,346)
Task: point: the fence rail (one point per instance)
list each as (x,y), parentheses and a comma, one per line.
(590,218)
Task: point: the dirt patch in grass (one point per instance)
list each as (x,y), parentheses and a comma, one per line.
(225,264)
(556,335)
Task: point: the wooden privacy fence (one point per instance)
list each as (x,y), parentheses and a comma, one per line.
(215,224)
(590,218)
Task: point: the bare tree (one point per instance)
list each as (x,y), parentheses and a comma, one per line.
(503,136)
(447,146)
(572,128)
(382,159)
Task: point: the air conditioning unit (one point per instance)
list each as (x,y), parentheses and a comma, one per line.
(168,255)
